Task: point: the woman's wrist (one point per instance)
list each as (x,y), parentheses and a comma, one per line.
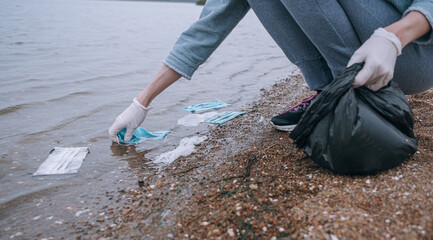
(411,27)
(143,99)
(164,78)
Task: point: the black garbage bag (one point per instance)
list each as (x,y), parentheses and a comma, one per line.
(357,131)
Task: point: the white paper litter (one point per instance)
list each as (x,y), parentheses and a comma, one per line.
(185,148)
(62,161)
(193,120)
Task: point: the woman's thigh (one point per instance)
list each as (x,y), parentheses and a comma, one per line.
(292,40)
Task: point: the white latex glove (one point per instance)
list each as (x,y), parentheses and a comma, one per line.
(379,54)
(130,119)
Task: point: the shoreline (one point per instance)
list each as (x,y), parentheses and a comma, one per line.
(248,180)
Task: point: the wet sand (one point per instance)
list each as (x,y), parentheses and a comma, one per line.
(248,181)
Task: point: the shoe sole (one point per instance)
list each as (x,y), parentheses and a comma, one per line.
(285,128)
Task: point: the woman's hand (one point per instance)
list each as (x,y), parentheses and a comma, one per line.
(135,114)
(130,119)
(380,51)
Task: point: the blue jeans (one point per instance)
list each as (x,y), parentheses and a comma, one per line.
(320,36)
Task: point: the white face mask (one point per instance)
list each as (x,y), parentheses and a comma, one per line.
(62,161)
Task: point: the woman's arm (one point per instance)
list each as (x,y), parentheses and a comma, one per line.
(411,27)
(163,79)
(194,46)
(136,112)
(199,41)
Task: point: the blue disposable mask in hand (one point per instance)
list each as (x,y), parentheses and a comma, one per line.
(141,135)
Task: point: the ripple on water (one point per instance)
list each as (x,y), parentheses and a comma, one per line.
(18,107)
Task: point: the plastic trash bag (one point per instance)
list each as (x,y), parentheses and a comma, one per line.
(357,131)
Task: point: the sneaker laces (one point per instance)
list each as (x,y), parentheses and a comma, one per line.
(303,104)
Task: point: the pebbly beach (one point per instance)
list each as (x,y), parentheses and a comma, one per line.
(69,68)
(248,181)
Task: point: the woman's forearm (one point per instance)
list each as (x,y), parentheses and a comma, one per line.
(409,28)
(164,78)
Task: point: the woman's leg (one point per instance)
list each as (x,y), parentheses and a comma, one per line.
(293,41)
(414,68)
(328,27)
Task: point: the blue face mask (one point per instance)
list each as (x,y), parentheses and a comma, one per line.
(206,106)
(223,117)
(141,135)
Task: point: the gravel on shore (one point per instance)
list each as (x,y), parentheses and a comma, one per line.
(248,181)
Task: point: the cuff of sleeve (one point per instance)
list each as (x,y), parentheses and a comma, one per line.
(179,66)
(427,39)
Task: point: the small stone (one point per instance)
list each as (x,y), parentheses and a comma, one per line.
(333,237)
(170,235)
(77,214)
(230,232)
(216,232)
(281,229)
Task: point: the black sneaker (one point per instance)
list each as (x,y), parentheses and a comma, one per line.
(287,120)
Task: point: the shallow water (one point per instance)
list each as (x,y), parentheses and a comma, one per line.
(68,68)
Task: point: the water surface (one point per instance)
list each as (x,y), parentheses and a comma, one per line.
(69,67)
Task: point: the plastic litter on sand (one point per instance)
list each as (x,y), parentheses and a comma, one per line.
(193,120)
(141,135)
(223,117)
(206,106)
(185,148)
(62,161)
